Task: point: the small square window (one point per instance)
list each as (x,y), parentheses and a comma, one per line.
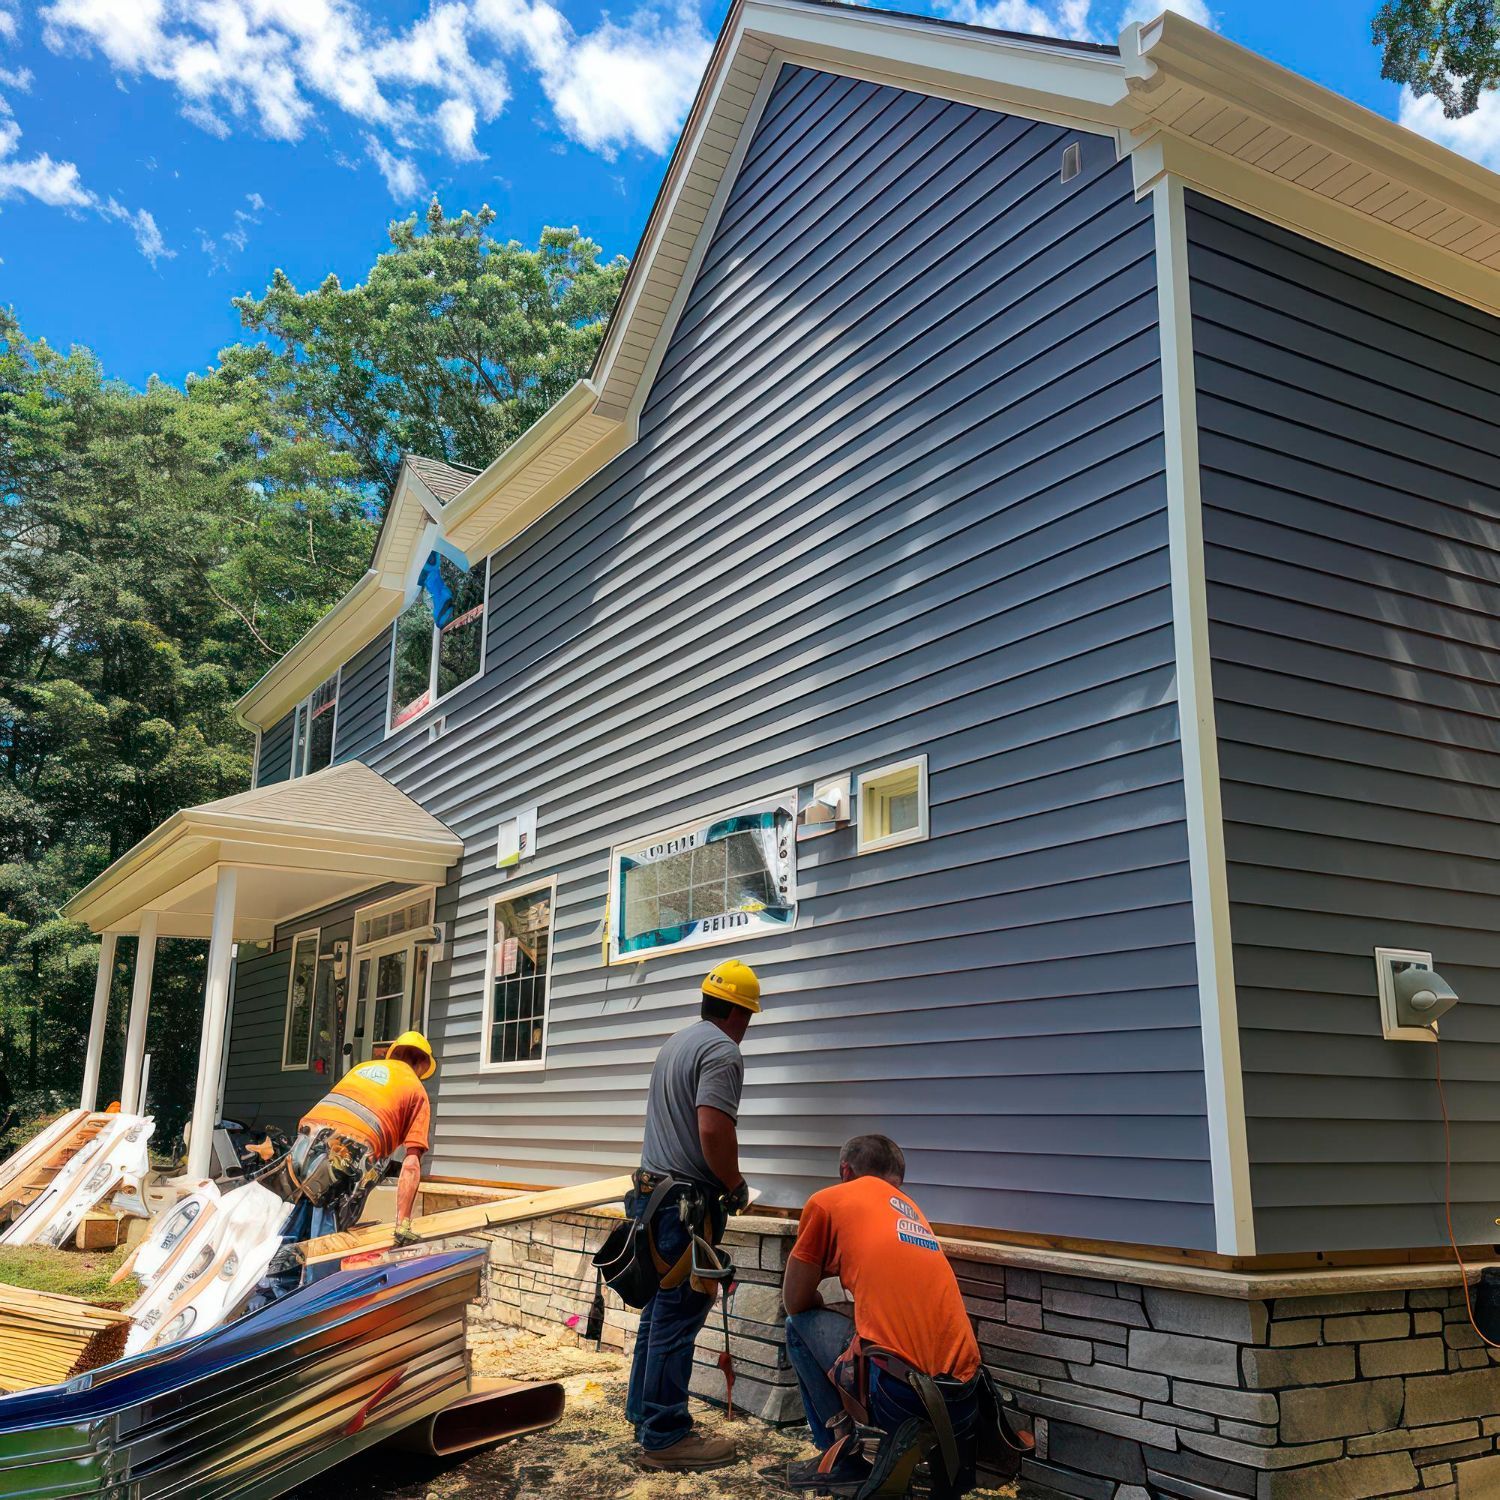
(893,805)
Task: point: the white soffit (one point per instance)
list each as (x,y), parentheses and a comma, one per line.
(1177,98)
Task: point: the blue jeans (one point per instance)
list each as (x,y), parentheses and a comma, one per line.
(657,1404)
(814,1342)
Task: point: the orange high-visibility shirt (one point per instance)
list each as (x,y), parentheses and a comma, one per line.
(382,1103)
(875,1239)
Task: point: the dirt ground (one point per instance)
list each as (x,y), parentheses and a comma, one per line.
(585,1457)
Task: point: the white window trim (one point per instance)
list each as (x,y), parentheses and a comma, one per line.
(620,849)
(305,705)
(916,835)
(432,672)
(409,897)
(536,1064)
(316,934)
(255,760)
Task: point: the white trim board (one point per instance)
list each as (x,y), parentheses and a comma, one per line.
(1234,1223)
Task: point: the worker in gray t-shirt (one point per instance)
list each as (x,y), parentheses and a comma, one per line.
(691,1121)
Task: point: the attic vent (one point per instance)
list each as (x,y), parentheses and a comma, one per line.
(1072,161)
(436,729)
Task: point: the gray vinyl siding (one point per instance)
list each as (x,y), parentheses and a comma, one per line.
(275,763)
(256,1086)
(1351,486)
(898,489)
(363,691)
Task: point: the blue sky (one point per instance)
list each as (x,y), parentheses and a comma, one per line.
(160,156)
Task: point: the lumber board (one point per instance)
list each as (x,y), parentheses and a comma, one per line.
(35,1163)
(469,1220)
(46,1337)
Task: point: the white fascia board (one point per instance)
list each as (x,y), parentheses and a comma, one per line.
(1175,49)
(995,72)
(1218,1004)
(352,623)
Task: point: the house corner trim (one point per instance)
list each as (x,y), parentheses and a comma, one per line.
(1217,1000)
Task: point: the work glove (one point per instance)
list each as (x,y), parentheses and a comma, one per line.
(405,1234)
(737,1199)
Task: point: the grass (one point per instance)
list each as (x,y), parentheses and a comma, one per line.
(68,1273)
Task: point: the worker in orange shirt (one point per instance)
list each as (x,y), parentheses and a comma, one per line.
(907,1360)
(344,1141)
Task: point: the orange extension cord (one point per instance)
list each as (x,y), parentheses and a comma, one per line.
(1463,1270)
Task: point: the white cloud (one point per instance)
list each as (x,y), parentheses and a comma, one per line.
(58,184)
(617,85)
(1476,136)
(276,65)
(1149,10)
(147,236)
(402,179)
(236,237)
(1076,20)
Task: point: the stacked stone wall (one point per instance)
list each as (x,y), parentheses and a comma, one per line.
(1136,1392)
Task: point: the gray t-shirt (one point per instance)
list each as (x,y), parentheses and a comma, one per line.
(698,1066)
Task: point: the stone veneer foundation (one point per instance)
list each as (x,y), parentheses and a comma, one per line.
(1143,1381)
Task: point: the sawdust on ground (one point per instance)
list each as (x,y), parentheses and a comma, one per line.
(587,1456)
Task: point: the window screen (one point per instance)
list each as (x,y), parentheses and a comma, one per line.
(726,878)
(522,938)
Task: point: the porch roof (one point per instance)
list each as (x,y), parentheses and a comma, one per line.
(297,845)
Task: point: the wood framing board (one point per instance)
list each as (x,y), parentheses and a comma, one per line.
(468,1220)
(117,1153)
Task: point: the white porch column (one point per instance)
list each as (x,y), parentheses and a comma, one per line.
(140,1009)
(215,1013)
(98,1022)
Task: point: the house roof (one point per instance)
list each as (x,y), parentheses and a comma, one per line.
(443,480)
(298,845)
(1177,98)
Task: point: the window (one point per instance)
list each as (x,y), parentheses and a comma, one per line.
(720,880)
(296,1042)
(312,733)
(439,638)
(520,974)
(382,922)
(311,1039)
(893,805)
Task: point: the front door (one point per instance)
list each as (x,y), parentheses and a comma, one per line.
(389,992)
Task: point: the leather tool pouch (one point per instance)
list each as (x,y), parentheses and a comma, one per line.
(627,1260)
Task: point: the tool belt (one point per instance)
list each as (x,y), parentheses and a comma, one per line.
(893,1456)
(326,1169)
(633,1268)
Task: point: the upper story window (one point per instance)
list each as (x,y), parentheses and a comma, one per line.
(312,733)
(439,643)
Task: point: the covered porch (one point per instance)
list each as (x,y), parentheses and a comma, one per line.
(231,872)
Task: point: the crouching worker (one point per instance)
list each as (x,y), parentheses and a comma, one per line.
(345,1140)
(902,1384)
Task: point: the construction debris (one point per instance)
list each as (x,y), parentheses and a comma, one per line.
(45,1339)
(468,1220)
(63,1175)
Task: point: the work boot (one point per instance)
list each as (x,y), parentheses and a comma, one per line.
(691,1455)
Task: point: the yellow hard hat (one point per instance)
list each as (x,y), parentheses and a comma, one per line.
(734,982)
(418,1043)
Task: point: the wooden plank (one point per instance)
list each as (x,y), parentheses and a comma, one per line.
(45,1337)
(468,1220)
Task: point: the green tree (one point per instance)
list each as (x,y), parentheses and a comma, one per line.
(452,346)
(160,548)
(1447,48)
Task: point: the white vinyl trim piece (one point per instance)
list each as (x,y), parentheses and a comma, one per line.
(1218,1005)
